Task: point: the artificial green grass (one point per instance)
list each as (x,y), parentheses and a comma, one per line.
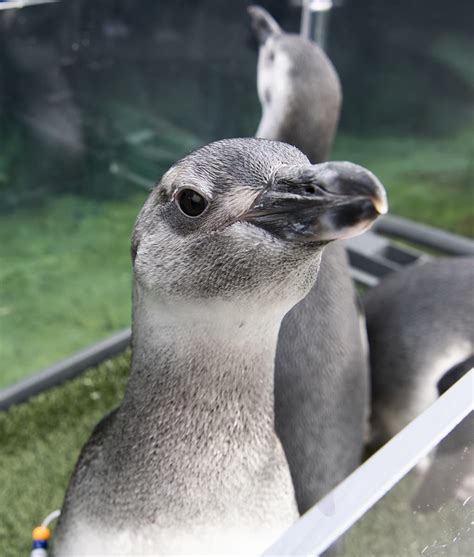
(65,278)
(392,529)
(40,442)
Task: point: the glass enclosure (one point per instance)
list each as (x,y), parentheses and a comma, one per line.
(429,512)
(98,99)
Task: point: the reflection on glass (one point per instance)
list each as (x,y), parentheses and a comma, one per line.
(429,512)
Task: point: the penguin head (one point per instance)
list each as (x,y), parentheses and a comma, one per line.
(247,219)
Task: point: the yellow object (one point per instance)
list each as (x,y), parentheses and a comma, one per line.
(41,533)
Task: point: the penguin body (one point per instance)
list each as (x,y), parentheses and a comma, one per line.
(225,245)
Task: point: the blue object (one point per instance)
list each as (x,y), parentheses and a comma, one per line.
(39,544)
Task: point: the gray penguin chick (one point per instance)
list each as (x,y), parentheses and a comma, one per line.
(228,241)
(420,324)
(321,369)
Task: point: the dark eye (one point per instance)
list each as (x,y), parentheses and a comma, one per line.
(191,203)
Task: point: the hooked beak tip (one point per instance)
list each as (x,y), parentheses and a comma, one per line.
(380,204)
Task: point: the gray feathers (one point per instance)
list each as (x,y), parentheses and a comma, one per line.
(321,383)
(190,461)
(315,100)
(420,323)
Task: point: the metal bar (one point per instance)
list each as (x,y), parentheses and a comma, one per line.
(305,19)
(363,278)
(322,525)
(377,256)
(18,4)
(321,27)
(402,256)
(64,370)
(371,264)
(424,235)
(315,20)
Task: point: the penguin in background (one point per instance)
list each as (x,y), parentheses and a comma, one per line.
(301,96)
(321,366)
(420,324)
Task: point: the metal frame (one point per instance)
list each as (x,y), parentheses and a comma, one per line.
(65,369)
(315,20)
(18,4)
(424,235)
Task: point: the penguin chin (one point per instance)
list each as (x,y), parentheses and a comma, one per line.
(249,267)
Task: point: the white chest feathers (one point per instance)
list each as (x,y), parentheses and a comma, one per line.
(274,89)
(90,542)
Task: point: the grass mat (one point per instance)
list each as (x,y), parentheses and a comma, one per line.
(40,442)
(65,280)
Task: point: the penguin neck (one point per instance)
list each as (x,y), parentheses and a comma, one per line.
(204,361)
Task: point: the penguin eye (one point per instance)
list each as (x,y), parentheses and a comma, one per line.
(191,203)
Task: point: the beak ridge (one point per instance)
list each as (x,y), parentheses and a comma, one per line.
(319,203)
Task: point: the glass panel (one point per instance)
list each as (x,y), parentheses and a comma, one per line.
(408,106)
(97,99)
(429,512)
(96,102)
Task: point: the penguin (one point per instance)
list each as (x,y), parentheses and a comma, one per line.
(227,242)
(420,324)
(321,367)
(450,472)
(298,88)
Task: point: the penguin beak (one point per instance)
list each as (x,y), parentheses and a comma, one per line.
(319,203)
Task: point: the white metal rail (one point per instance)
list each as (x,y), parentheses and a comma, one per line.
(322,525)
(17,4)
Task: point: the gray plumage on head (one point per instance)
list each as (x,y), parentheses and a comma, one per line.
(298,88)
(230,173)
